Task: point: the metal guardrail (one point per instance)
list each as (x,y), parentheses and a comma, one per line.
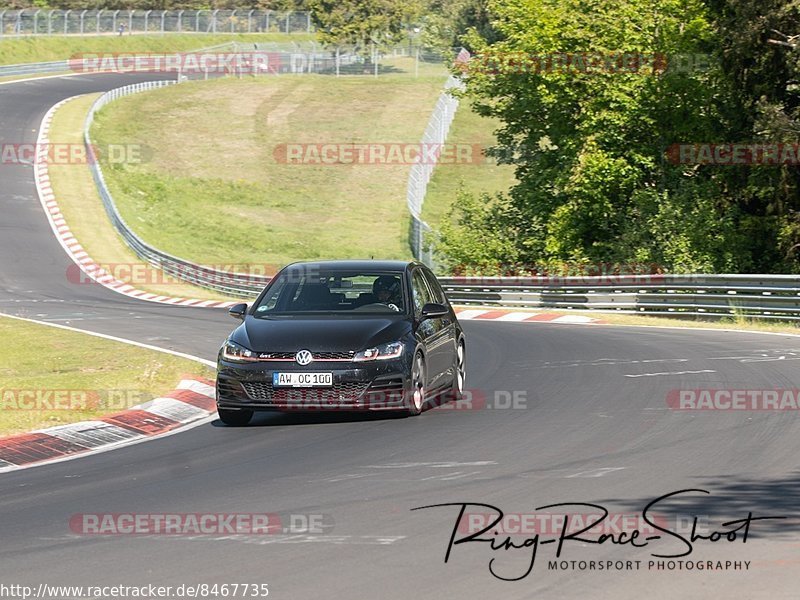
(58,66)
(97,22)
(282,58)
(238,285)
(769,297)
(63,66)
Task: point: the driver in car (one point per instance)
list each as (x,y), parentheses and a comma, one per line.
(387,290)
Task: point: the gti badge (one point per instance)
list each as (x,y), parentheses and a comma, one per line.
(303,357)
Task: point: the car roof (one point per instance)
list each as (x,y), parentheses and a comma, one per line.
(356,265)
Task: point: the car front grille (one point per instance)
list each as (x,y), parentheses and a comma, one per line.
(262,391)
(317,355)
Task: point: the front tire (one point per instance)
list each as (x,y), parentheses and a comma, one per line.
(416,396)
(235,418)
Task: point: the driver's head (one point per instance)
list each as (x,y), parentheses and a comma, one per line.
(386,288)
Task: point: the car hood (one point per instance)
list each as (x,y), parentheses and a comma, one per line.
(322,334)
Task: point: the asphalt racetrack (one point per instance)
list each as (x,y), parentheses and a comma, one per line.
(573,414)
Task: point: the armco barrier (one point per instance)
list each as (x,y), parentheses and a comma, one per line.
(58,66)
(769,297)
(64,66)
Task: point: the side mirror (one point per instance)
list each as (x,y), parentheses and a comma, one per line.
(433,310)
(237,311)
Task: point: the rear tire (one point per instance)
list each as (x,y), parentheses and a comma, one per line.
(460,372)
(235,418)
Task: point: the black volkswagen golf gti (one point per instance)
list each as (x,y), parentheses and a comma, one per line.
(342,335)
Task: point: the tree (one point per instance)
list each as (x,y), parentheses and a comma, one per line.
(595,184)
(362,22)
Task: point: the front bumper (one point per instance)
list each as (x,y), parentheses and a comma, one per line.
(367,386)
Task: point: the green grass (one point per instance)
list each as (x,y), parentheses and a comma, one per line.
(85,214)
(212,190)
(482,177)
(50,359)
(49,48)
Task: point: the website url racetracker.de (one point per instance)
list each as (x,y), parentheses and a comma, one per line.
(97,592)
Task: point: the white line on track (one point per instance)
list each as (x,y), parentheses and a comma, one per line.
(596,472)
(671,373)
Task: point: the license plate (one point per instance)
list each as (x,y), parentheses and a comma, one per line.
(302,380)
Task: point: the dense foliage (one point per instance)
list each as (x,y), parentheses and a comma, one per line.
(594,148)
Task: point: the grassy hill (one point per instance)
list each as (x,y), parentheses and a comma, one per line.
(214,186)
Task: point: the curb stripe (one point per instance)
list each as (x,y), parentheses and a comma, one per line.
(192,400)
(509,315)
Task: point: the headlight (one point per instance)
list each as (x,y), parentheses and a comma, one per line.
(235,353)
(382,352)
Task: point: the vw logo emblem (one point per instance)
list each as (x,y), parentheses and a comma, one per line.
(303,357)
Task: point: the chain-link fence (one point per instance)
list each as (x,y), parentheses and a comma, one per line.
(421,172)
(98,22)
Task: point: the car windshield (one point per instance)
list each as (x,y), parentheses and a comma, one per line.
(320,291)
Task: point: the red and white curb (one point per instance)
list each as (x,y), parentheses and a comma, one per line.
(191,401)
(71,245)
(511,316)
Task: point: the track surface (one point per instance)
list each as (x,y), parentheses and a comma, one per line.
(588,433)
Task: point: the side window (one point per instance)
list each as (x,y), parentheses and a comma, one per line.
(436,289)
(419,291)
